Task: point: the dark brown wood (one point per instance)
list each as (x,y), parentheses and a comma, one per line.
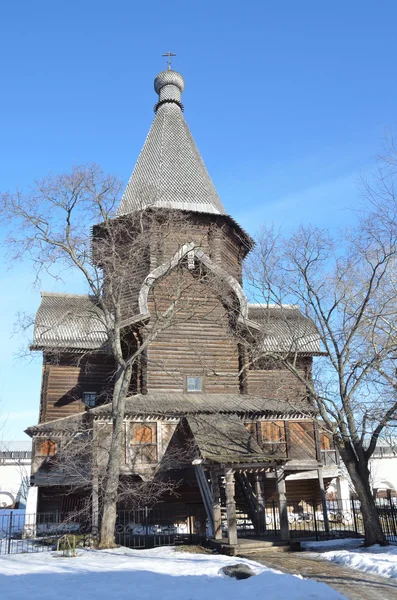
(66,377)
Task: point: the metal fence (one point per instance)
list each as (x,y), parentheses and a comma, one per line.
(139,528)
(22,533)
(149,527)
(307,520)
(343,519)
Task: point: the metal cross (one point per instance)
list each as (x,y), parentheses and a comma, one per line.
(169,54)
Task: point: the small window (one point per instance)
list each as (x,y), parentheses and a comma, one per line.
(194,384)
(89,399)
(47,448)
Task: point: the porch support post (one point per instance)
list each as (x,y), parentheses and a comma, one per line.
(95,487)
(323,500)
(260,504)
(231,508)
(216,500)
(282,503)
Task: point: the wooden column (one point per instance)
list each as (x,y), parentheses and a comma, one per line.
(323,499)
(261,520)
(282,504)
(95,485)
(216,500)
(231,508)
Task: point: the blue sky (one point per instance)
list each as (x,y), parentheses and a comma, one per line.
(288,103)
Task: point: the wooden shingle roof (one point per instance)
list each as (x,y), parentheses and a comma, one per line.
(68,321)
(225,439)
(177,405)
(284,329)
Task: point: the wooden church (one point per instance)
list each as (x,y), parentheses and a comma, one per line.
(251,434)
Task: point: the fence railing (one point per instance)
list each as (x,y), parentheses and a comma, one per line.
(139,528)
(161,526)
(21,532)
(307,520)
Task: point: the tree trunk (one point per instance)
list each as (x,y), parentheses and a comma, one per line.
(359,474)
(110,493)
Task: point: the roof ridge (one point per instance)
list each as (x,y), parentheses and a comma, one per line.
(62,295)
(273,305)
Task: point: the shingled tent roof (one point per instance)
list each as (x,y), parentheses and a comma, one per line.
(170,172)
(285,329)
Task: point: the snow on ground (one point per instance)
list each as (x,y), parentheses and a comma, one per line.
(333,544)
(125,574)
(378,560)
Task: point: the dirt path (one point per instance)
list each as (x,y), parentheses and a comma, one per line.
(353,584)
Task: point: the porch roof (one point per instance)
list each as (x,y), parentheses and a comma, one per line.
(225,439)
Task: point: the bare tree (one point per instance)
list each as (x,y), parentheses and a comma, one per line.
(148,472)
(347,285)
(68,222)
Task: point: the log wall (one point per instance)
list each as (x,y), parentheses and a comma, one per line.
(197,341)
(278,382)
(65,380)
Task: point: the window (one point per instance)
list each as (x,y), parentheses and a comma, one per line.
(270,435)
(47,448)
(194,384)
(89,399)
(144,442)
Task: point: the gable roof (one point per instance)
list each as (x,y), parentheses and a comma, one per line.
(224,439)
(68,321)
(170,172)
(283,328)
(74,322)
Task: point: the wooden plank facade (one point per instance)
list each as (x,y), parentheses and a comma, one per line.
(267,433)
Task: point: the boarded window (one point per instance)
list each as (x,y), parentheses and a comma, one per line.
(47,448)
(144,442)
(272,431)
(143,433)
(272,437)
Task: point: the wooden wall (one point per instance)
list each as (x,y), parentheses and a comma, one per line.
(276,382)
(300,492)
(217,239)
(198,341)
(66,377)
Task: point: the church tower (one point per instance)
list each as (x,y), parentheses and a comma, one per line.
(170,175)
(170,180)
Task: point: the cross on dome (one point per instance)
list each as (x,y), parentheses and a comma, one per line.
(169,54)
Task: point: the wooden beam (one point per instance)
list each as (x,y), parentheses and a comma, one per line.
(282,503)
(205,494)
(323,499)
(216,502)
(231,508)
(261,521)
